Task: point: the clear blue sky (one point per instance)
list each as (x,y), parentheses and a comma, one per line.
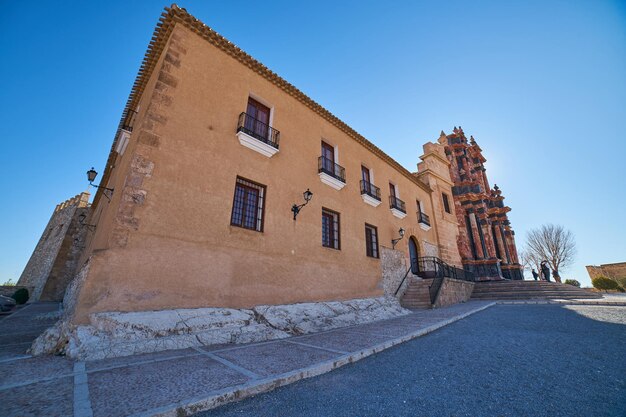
(540,84)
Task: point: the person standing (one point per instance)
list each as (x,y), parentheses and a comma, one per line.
(535,274)
(545,270)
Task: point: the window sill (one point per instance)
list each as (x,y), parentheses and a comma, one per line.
(331,181)
(398,213)
(256,145)
(235,227)
(370,200)
(424,227)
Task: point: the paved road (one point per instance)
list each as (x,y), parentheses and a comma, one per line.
(509,360)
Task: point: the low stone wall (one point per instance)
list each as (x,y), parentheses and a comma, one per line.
(453,291)
(8,290)
(121,334)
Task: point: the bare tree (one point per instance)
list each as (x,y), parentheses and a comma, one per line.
(553,244)
(529,260)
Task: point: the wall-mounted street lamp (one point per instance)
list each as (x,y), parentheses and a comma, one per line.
(295,209)
(91,176)
(394,241)
(81,220)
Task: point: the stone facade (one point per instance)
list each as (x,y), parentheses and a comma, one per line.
(394,265)
(434,170)
(616,271)
(54,260)
(453,291)
(486,241)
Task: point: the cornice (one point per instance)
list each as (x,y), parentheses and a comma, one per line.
(436,155)
(434,174)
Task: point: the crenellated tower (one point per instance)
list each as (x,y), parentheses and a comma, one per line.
(486,241)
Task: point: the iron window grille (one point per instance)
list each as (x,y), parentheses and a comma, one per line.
(371,241)
(248,205)
(330,229)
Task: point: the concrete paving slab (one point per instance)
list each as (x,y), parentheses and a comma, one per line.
(51,398)
(34,369)
(128,390)
(9,352)
(24,337)
(390,330)
(345,340)
(276,358)
(122,361)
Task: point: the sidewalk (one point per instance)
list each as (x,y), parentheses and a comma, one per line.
(606,300)
(183,382)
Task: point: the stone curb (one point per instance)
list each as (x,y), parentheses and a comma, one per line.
(195,405)
(564,302)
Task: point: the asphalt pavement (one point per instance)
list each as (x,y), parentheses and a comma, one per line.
(509,360)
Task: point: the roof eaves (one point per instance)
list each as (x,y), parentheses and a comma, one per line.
(176,14)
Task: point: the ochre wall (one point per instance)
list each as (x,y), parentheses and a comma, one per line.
(616,271)
(165,240)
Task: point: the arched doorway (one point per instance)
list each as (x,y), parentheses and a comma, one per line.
(414,254)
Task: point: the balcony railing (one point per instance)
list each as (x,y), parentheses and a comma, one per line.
(327,166)
(258,130)
(370,189)
(423,218)
(396,203)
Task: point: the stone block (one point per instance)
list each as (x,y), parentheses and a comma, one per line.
(116,334)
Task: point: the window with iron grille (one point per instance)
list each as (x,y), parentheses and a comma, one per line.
(446,203)
(371,241)
(248,205)
(330,229)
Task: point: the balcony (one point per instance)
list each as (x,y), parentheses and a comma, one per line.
(423,220)
(257,136)
(397,206)
(330,173)
(370,193)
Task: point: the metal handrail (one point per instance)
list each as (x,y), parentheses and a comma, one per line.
(258,130)
(370,189)
(402,282)
(396,203)
(327,166)
(433,267)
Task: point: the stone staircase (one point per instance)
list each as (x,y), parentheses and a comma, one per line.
(528,290)
(417,295)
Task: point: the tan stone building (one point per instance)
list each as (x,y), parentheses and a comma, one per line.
(212,152)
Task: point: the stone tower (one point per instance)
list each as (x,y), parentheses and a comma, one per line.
(486,241)
(54,261)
